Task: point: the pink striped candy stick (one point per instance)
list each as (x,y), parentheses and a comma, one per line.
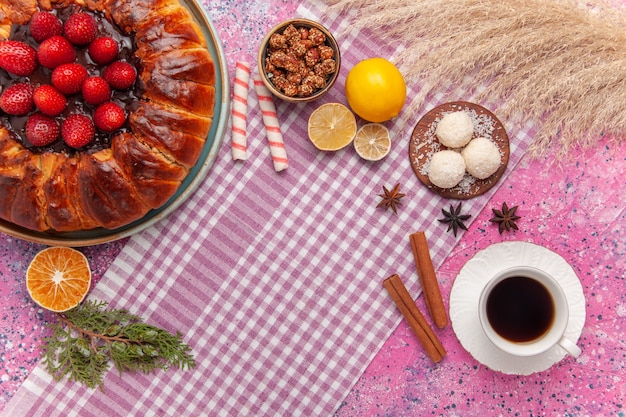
(240,110)
(272,127)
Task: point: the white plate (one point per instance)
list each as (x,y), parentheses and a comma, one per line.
(466,291)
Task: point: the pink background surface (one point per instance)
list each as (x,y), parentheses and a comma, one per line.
(576,209)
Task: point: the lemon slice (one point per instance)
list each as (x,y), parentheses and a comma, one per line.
(372,142)
(332,126)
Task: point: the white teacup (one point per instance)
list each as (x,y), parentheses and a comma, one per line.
(524,312)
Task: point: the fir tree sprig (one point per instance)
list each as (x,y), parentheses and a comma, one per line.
(87,338)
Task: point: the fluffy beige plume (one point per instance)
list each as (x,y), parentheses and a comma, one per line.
(558,63)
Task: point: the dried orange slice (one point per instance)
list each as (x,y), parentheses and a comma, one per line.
(372,142)
(58,278)
(332,126)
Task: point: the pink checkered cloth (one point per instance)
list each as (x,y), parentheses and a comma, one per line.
(274,279)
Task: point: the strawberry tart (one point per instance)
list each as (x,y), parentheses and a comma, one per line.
(105,106)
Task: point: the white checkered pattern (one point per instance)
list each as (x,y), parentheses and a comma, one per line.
(275,279)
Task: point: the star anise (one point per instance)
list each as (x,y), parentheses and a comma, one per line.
(505,218)
(454,218)
(391,198)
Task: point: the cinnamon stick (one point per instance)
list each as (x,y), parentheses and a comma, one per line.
(428,279)
(400,295)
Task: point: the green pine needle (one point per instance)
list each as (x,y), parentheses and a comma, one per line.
(89,337)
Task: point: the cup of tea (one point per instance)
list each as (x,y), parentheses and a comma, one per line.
(524,312)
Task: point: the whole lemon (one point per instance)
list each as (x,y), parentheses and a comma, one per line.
(375,90)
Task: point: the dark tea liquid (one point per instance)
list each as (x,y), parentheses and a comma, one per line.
(520,309)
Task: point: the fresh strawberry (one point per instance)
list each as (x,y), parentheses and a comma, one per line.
(17,99)
(17,57)
(44,25)
(96,90)
(120,75)
(77,130)
(80,28)
(103,50)
(55,51)
(109,117)
(69,78)
(41,130)
(50,101)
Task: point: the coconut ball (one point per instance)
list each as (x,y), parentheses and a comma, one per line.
(455,129)
(482,158)
(446,169)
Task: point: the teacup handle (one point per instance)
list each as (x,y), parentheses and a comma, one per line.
(570,347)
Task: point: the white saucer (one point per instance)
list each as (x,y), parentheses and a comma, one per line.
(466,291)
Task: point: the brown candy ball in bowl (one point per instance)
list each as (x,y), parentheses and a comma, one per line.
(299,60)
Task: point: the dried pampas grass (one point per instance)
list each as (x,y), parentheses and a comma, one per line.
(558,63)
